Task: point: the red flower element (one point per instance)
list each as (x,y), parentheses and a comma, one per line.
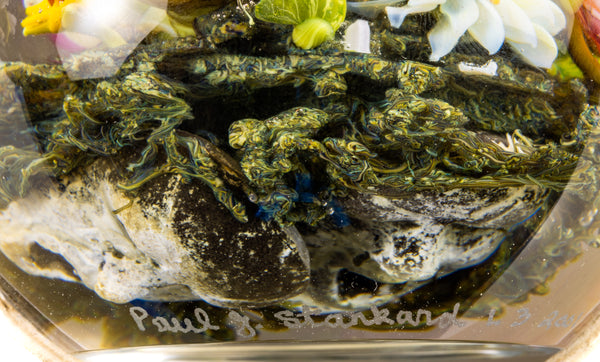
(589,17)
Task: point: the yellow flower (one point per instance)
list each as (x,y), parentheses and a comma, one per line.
(44,17)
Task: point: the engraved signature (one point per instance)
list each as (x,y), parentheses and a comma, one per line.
(304,318)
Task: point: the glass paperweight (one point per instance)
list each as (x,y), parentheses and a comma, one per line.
(301,179)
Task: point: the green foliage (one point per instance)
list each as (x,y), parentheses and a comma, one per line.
(565,68)
(303,14)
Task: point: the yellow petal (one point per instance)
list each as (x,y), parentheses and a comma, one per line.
(44,17)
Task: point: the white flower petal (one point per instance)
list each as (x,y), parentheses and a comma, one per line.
(517,25)
(457,17)
(358,37)
(544,13)
(488,30)
(462,13)
(543,54)
(396,15)
(427,5)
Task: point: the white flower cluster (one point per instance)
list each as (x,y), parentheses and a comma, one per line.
(528,26)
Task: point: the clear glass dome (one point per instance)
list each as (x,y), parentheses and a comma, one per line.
(301,178)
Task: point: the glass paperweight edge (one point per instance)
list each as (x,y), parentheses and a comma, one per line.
(24,316)
(59,347)
(365,350)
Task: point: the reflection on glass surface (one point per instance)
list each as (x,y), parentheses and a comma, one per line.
(93,37)
(184,172)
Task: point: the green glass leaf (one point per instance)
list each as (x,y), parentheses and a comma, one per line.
(281,11)
(565,68)
(332,11)
(311,33)
(294,12)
